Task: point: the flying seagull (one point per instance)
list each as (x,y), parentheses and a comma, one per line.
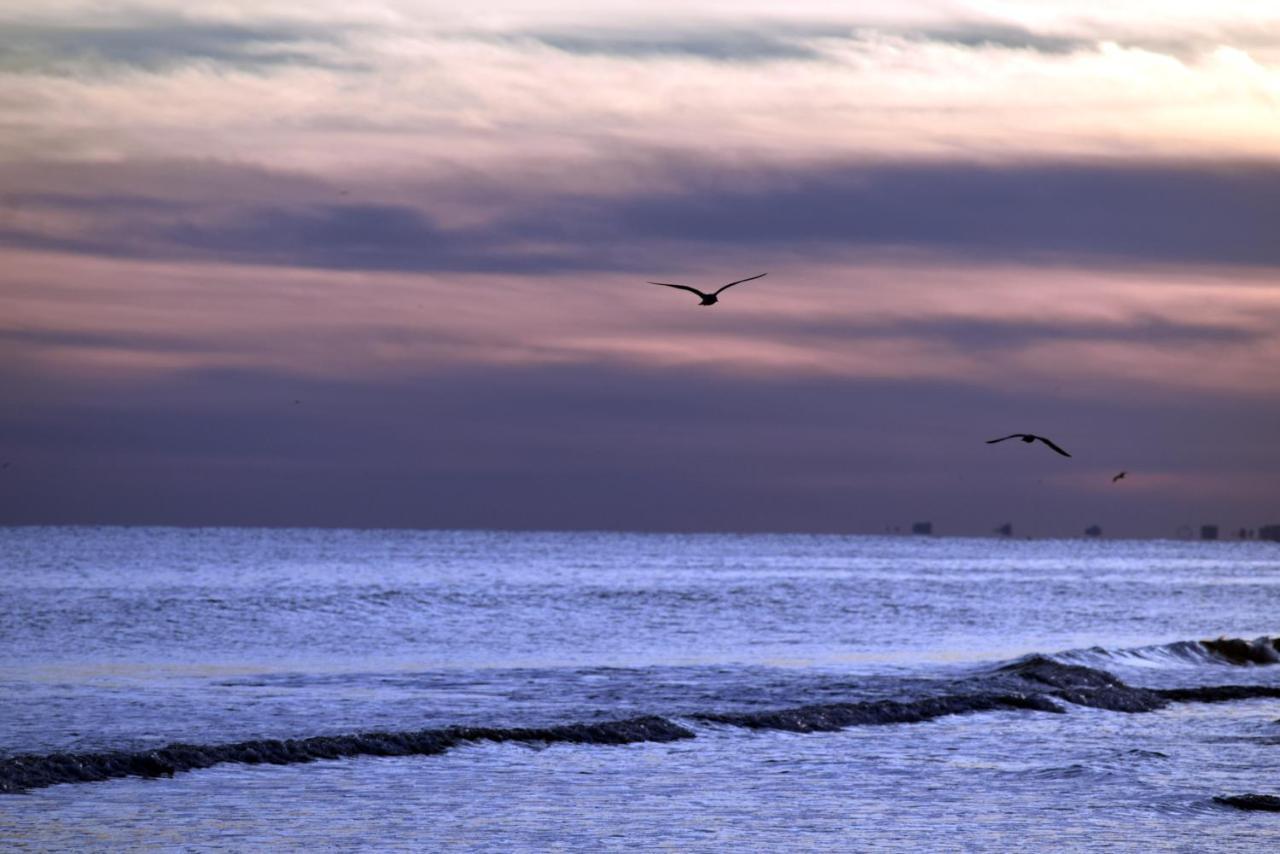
(707,299)
(1028,437)
(1119,476)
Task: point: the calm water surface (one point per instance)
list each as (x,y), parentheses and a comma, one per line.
(837,692)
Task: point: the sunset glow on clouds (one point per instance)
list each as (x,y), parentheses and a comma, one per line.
(436,226)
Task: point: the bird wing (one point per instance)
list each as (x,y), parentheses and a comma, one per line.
(1010,436)
(1051,445)
(740,281)
(681,287)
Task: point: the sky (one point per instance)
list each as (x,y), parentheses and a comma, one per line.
(386,264)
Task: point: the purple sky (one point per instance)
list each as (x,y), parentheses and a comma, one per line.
(433,230)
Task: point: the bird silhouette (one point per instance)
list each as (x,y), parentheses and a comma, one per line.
(711,298)
(1029,437)
(1119,476)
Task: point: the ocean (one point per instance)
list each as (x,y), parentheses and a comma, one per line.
(251,689)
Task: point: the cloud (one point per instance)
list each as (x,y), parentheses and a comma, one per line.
(380,237)
(157,40)
(715,45)
(1081,212)
(766,41)
(158,44)
(1167,212)
(401,87)
(31,339)
(1003,335)
(341,236)
(980,34)
(1084,329)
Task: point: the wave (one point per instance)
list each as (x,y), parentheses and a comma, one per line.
(1036,683)
(829,717)
(1263,650)
(1265,803)
(21,773)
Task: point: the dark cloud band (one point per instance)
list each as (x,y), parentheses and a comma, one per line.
(1076,212)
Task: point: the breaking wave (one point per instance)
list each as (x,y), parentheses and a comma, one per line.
(1263,803)
(1225,651)
(1036,683)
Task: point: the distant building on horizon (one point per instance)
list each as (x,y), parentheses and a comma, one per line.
(1208,532)
(1005,530)
(925,528)
(1093,531)
(1269,532)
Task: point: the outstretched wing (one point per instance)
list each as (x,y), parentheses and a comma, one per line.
(1010,436)
(1051,445)
(681,287)
(740,281)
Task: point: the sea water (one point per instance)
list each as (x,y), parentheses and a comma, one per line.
(433,690)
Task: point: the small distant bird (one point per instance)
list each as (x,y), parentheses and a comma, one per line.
(1119,476)
(1028,437)
(5,466)
(708,299)
(296,402)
